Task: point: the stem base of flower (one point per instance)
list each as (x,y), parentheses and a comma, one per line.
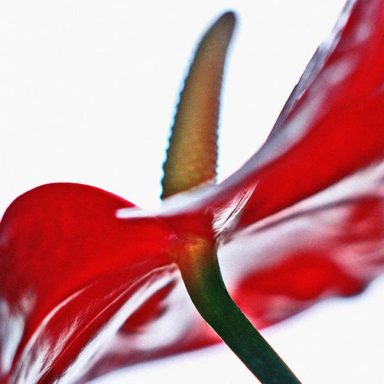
(203,280)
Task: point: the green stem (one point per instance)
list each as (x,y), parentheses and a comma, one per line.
(202,277)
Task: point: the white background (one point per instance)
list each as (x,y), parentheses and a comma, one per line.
(87,94)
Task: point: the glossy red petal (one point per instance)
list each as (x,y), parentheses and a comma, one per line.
(302,219)
(72,273)
(328,245)
(311,227)
(335,126)
(331,127)
(316,210)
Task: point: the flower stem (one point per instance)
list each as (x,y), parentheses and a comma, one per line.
(202,277)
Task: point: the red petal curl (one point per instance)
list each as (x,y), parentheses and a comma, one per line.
(302,219)
(71,276)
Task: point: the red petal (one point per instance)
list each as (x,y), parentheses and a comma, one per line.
(325,154)
(72,273)
(335,125)
(317,249)
(331,127)
(314,220)
(302,219)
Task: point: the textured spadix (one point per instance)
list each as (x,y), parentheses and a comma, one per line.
(192,153)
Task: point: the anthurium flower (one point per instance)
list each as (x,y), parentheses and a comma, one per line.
(90,283)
